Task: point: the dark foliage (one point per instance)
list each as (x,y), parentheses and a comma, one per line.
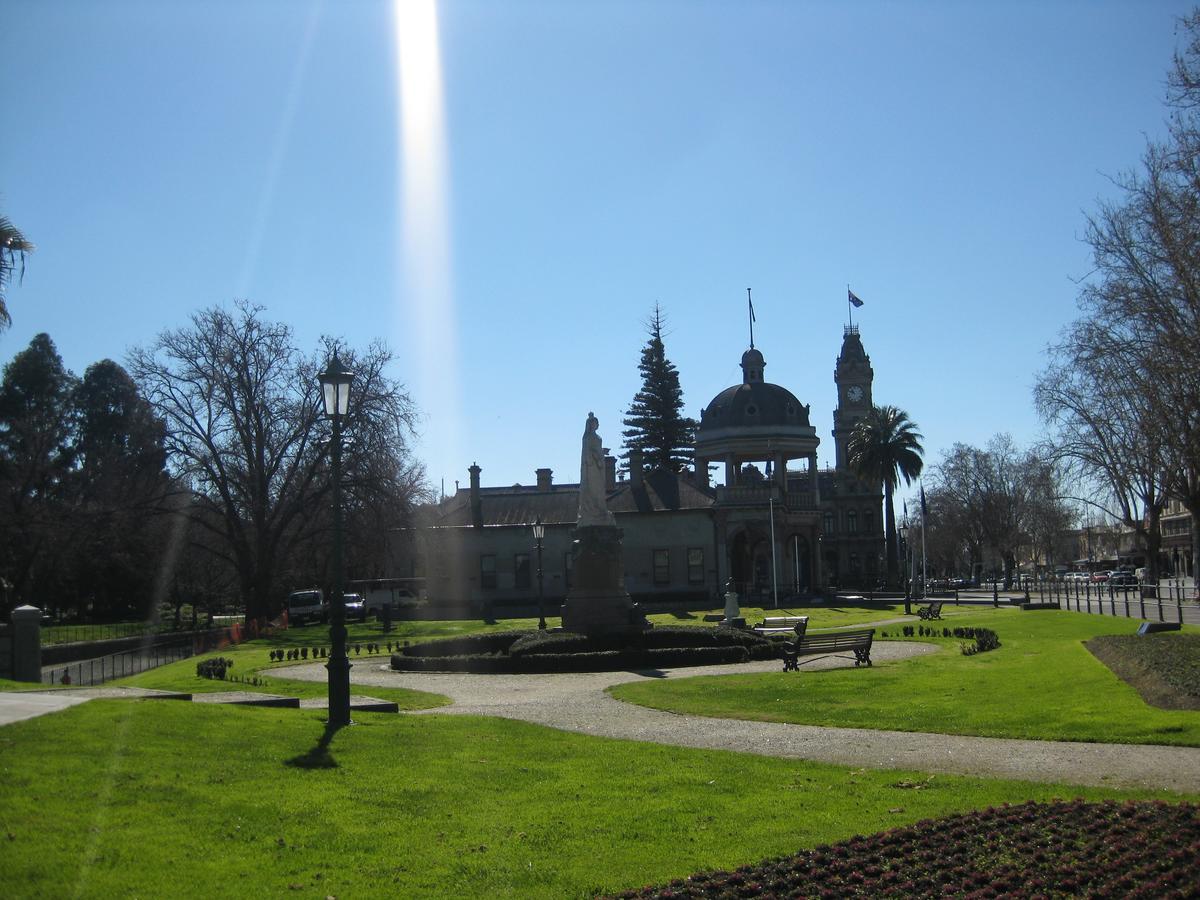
(1136,849)
(598,661)
(214,668)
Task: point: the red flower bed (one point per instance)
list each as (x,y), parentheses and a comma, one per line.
(1134,849)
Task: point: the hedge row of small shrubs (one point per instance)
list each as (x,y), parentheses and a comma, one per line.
(662,637)
(596,661)
(297,653)
(974,640)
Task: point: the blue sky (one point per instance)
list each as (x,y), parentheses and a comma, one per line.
(593,159)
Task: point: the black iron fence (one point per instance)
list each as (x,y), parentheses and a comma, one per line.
(1172,601)
(116,665)
(72,634)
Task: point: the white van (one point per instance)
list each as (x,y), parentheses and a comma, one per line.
(306,606)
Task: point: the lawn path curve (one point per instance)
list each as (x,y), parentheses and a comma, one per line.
(578,702)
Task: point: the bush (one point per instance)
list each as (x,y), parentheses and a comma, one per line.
(471,645)
(660,638)
(214,668)
(596,661)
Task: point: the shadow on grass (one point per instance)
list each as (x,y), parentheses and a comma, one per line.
(683,615)
(319,756)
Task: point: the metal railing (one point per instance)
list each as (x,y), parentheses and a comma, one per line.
(73,634)
(1169,602)
(116,665)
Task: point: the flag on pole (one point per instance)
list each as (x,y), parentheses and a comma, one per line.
(854,299)
(922,503)
(751,302)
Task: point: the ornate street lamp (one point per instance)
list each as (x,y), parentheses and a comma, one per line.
(902,532)
(335,390)
(539,532)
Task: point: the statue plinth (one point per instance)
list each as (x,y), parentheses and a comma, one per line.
(597,602)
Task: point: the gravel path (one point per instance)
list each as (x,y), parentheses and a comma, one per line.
(577,702)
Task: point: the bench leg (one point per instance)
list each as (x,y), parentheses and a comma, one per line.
(789,664)
(862,656)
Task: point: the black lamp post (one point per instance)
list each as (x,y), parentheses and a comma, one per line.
(539,532)
(902,533)
(335,390)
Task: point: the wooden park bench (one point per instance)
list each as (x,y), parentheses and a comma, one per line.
(932,611)
(782,625)
(830,643)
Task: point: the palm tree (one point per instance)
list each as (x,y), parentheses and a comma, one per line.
(13,248)
(886,445)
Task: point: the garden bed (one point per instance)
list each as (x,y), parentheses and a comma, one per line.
(1163,668)
(1135,849)
(531,652)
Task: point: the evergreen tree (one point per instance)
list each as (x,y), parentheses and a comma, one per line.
(36,456)
(655,421)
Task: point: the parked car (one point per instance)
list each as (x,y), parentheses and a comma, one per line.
(306,606)
(355,607)
(1122,578)
(1101,576)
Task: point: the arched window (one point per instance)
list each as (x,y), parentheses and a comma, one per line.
(828,526)
(868,522)
(852,522)
(853,563)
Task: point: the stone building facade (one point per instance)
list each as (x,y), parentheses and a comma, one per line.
(779,525)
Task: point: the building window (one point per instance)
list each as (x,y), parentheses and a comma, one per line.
(662,567)
(868,522)
(828,526)
(487,571)
(695,565)
(568,569)
(521,577)
(852,522)
(854,564)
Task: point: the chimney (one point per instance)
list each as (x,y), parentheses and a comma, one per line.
(610,473)
(544,479)
(476,502)
(635,467)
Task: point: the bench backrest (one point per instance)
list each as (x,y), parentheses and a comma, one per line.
(783,621)
(837,639)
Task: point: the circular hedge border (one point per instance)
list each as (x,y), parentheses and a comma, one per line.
(530,652)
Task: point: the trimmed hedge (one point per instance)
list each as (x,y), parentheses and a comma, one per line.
(598,661)
(659,638)
(471,645)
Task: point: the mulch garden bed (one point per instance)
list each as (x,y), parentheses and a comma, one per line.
(1163,668)
(1062,849)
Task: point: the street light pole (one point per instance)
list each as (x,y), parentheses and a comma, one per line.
(335,385)
(539,532)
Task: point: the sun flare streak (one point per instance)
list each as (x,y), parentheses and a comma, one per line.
(424,226)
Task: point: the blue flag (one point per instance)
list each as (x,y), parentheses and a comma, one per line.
(922,503)
(853,298)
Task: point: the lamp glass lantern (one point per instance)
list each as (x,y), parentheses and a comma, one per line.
(335,388)
(539,530)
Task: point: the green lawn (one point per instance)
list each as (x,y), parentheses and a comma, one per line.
(156,799)
(1042,683)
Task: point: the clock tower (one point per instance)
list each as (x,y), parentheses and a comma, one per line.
(853,376)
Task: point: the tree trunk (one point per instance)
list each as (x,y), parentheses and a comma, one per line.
(893,563)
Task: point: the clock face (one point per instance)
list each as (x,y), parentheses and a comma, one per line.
(854,393)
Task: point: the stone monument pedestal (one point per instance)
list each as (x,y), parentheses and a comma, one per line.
(597,602)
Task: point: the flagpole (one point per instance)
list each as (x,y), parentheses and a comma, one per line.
(924,572)
(750,304)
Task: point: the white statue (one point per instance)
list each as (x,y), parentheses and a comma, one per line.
(592,508)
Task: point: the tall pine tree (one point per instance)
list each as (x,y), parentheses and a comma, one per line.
(654,422)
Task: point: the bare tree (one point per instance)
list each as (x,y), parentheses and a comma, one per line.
(245,430)
(1099,402)
(1001,498)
